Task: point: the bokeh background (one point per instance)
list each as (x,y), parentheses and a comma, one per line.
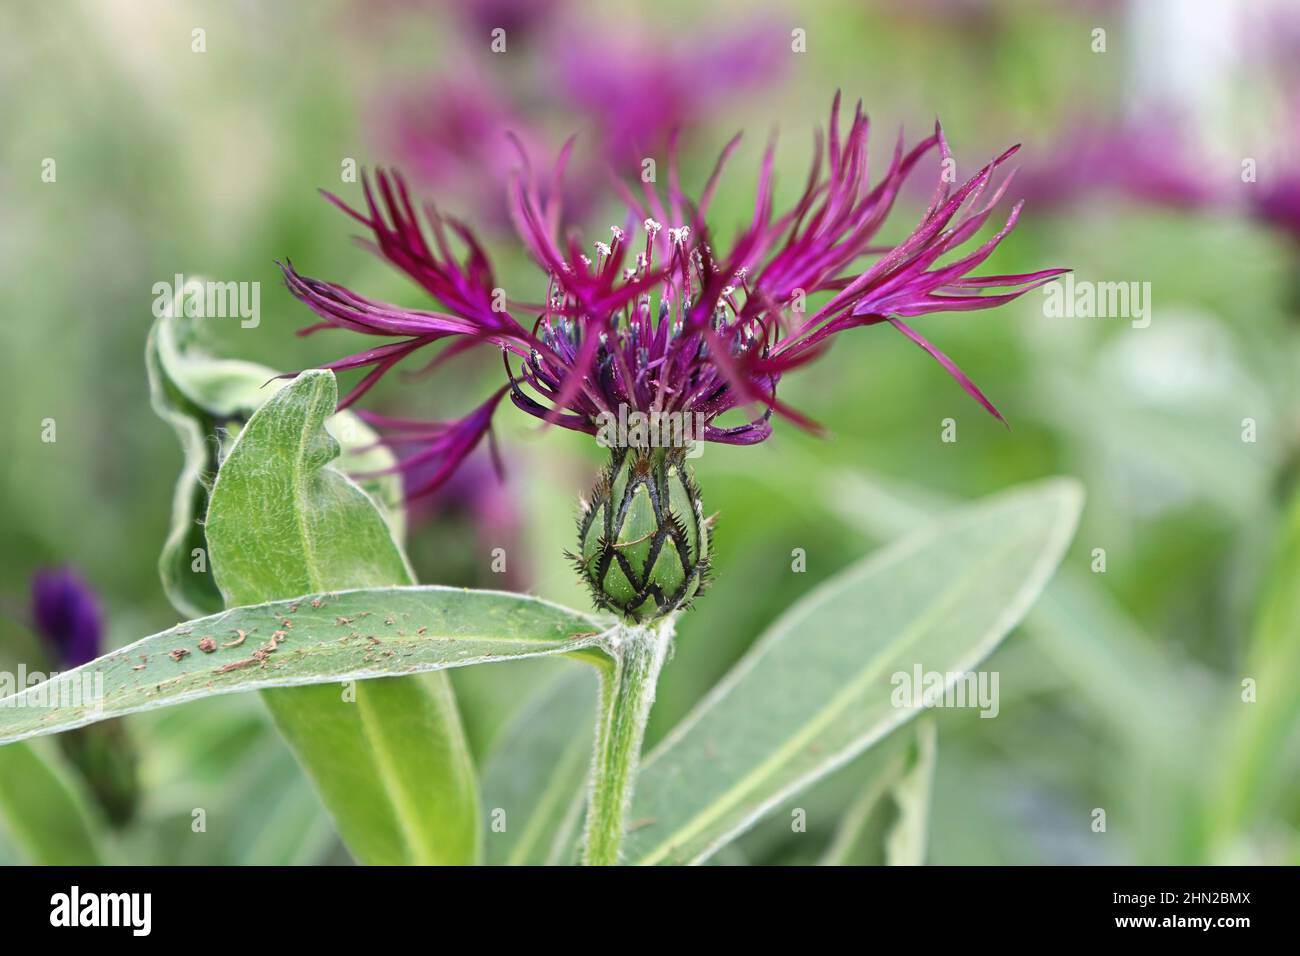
(1163,149)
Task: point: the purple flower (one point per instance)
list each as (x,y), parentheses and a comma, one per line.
(659,317)
(475,498)
(638,89)
(1274,198)
(1152,161)
(516,17)
(455,133)
(478,17)
(1277,202)
(66,615)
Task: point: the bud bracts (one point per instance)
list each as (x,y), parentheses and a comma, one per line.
(643,538)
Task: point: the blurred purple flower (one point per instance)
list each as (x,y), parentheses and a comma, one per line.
(66,615)
(1152,162)
(476,490)
(1275,199)
(1274,36)
(660,318)
(478,494)
(516,17)
(638,88)
(453,132)
(1280,206)
(480,17)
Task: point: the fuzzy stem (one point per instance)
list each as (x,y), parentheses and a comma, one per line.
(627,691)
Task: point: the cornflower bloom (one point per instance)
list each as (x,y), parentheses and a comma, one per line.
(659,329)
(66,615)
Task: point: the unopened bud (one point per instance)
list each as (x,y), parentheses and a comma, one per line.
(643,539)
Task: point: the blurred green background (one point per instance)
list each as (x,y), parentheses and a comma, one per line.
(1123,689)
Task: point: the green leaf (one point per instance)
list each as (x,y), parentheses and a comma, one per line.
(432,628)
(1140,691)
(888,822)
(43,810)
(206,400)
(224,755)
(389,758)
(908,838)
(533,779)
(1154,701)
(1257,769)
(281,520)
(187,583)
(814,691)
(391,764)
(859,836)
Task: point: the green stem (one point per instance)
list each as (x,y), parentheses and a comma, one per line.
(627,691)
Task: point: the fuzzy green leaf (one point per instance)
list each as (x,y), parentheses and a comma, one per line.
(533,778)
(389,758)
(206,400)
(1258,765)
(888,821)
(909,837)
(43,810)
(432,628)
(282,520)
(815,690)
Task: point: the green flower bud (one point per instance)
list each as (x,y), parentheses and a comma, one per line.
(643,539)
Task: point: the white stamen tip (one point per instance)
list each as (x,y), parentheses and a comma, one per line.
(652,227)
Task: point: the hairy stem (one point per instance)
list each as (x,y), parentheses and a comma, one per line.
(627,692)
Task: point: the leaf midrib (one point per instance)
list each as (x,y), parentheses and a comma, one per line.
(406,815)
(300,493)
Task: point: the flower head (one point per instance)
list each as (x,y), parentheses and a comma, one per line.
(655,316)
(66,615)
